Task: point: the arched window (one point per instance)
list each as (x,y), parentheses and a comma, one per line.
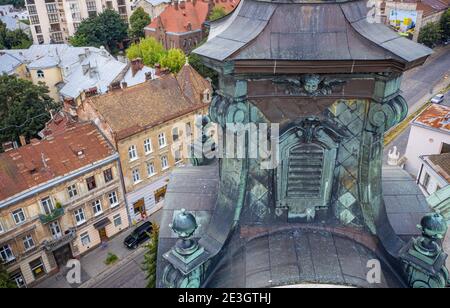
(40,74)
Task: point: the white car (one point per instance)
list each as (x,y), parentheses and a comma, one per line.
(437,99)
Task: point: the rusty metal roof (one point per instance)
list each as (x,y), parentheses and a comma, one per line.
(260,30)
(435,117)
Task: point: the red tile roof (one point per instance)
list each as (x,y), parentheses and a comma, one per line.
(188,16)
(34,164)
(436,116)
(441,164)
(430,7)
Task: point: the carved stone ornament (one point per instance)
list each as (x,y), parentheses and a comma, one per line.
(309,85)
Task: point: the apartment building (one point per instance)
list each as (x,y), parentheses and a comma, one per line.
(73,72)
(147,124)
(54,21)
(59,197)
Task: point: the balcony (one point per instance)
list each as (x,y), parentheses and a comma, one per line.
(53,245)
(54,215)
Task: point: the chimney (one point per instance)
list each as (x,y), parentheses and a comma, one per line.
(23,141)
(87,52)
(194,2)
(82,57)
(8,146)
(86,68)
(124,85)
(182,5)
(175,3)
(136,66)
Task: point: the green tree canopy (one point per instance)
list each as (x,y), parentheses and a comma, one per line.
(174,60)
(217,13)
(138,20)
(150,257)
(24,108)
(107,29)
(16,39)
(5,279)
(16,3)
(445,24)
(430,34)
(196,62)
(149,50)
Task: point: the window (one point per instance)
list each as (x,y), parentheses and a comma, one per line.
(1,228)
(37,268)
(40,74)
(28,242)
(92,14)
(136,176)
(162,140)
(188,129)
(32,10)
(19,216)
(6,254)
(76,25)
(117,220)
(445,148)
(47,205)
(37,29)
(175,134)
(40,39)
(160,194)
(17,277)
(426,180)
(164,162)
(132,152)
(113,200)
(57,37)
(34,19)
(53,18)
(55,230)
(51,8)
(108,175)
(90,181)
(97,207)
(79,216)
(85,239)
(151,169)
(148,146)
(177,155)
(91,6)
(72,190)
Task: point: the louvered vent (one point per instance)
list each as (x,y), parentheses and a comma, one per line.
(305,171)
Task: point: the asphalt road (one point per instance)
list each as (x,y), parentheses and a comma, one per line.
(419,85)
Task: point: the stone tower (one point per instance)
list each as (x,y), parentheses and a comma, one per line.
(328,78)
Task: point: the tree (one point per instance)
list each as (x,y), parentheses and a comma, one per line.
(107,29)
(217,13)
(138,20)
(5,279)
(196,62)
(16,39)
(16,3)
(174,60)
(445,24)
(149,50)
(24,108)
(150,257)
(430,34)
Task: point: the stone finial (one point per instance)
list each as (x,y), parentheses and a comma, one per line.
(393,157)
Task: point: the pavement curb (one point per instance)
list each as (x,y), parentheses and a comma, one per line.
(109,270)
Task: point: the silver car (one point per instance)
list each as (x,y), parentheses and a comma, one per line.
(437,99)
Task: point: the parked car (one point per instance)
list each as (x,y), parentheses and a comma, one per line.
(437,99)
(139,235)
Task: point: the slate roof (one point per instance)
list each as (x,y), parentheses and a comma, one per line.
(13,23)
(441,164)
(8,63)
(435,117)
(133,109)
(259,30)
(55,156)
(430,7)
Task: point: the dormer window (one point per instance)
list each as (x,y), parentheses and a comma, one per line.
(207,96)
(40,74)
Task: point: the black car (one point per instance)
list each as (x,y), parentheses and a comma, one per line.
(139,235)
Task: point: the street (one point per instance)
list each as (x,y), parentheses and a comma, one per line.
(418,86)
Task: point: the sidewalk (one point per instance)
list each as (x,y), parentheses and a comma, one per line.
(92,264)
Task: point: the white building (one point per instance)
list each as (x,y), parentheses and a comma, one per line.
(434,173)
(54,21)
(154,8)
(430,135)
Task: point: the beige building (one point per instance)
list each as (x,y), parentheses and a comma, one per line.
(154,8)
(72,72)
(59,197)
(54,21)
(147,124)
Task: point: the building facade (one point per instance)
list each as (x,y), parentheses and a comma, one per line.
(60,197)
(181,24)
(54,21)
(430,135)
(154,8)
(434,173)
(147,124)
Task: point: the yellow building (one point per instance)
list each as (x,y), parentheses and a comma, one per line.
(59,197)
(146,123)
